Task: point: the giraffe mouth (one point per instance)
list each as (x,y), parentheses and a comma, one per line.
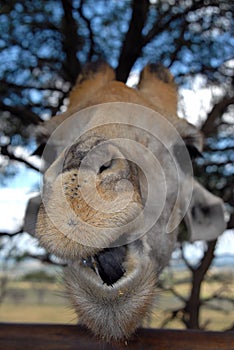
(109,286)
(108,264)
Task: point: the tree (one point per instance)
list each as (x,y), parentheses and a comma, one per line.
(44,44)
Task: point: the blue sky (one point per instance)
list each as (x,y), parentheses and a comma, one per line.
(25,179)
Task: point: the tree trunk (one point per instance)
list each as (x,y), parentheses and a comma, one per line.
(133,42)
(193,305)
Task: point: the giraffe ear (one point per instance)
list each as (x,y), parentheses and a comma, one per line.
(94,75)
(157,84)
(205,216)
(30,217)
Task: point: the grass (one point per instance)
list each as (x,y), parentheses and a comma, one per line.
(37,314)
(36,302)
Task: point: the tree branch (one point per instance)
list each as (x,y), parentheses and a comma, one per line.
(175,314)
(71,42)
(211,124)
(192,308)
(230,224)
(176,294)
(226,148)
(134,39)
(9,234)
(88,24)
(7,85)
(133,42)
(180,42)
(162,24)
(10,155)
(28,117)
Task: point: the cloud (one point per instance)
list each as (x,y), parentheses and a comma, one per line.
(12,207)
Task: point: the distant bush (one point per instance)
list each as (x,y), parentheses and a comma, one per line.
(39,276)
(223,277)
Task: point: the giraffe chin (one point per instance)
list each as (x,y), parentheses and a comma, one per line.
(114,311)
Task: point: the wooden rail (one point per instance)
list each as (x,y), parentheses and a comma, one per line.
(60,337)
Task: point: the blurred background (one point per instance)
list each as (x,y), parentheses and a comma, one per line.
(43,45)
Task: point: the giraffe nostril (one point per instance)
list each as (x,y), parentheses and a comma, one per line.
(105,166)
(108,264)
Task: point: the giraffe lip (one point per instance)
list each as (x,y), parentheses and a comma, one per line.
(108,264)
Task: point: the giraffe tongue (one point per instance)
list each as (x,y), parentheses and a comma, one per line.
(109,264)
